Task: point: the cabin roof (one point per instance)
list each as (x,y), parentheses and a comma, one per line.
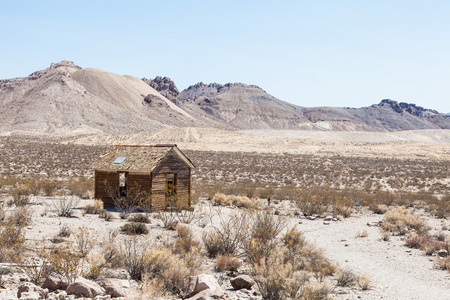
(136,157)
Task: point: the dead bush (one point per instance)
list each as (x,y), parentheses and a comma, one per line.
(139,218)
(185,241)
(400,220)
(94,209)
(12,241)
(20,195)
(213,244)
(227,263)
(133,228)
(260,237)
(271,276)
(49,186)
(364,282)
(85,240)
(81,187)
(443,263)
(317,291)
(310,201)
(169,219)
(380,209)
(20,216)
(64,231)
(226,237)
(104,214)
(64,206)
(362,234)
(346,277)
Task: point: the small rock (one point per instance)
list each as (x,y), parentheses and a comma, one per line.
(195,284)
(242,282)
(442,253)
(335,219)
(55,281)
(207,294)
(84,287)
(326,223)
(114,287)
(312,218)
(328,218)
(28,290)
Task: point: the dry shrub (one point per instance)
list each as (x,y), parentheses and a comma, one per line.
(49,186)
(400,220)
(139,218)
(385,236)
(133,228)
(443,263)
(64,206)
(213,244)
(170,268)
(64,231)
(227,263)
(310,201)
(20,194)
(221,199)
(259,237)
(185,241)
(364,282)
(278,279)
(380,209)
(362,234)
(141,260)
(169,219)
(85,240)
(81,187)
(317,291)
(20,216)
(346,277)
(94,209)
(104,214)
(271,276)
(227,235)
(112,252)
(12,241)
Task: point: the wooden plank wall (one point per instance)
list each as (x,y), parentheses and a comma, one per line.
(112,180)
(153,183)
(171,164)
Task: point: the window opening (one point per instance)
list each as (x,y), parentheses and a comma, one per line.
(123,184)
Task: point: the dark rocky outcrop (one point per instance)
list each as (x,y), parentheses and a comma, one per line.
(165,86)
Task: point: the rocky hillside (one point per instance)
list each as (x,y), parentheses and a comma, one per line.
(66,100)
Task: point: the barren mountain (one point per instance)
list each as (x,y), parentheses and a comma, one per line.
(66,100)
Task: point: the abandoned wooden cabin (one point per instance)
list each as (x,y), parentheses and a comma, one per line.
(161,172)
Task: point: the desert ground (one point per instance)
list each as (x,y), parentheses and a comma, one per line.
(373,206)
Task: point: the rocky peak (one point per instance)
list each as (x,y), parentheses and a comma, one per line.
(165,86)
(64,68)
(204,90)
(403,107)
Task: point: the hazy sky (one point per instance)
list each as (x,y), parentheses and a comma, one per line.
(310,53)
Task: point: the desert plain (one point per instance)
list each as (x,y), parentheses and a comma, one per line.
(370,205)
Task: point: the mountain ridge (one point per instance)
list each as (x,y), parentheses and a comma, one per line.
(65,100)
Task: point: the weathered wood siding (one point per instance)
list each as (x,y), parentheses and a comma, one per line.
(112,180)
(154,183)
(172,163)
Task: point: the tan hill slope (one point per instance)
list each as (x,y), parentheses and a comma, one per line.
(66,100)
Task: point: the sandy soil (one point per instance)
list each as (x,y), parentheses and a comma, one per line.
(396,271)
(432,144)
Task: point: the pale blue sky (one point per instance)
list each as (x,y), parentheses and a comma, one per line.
(310,53)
